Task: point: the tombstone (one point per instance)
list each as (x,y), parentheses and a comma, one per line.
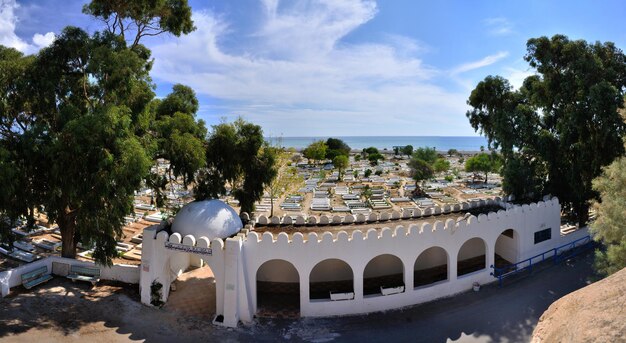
(300,220)
(337,219)
(287,220)
(360,218)
(262,220)
(275,220)
(324,220)
(395,215)
(384,216)
(348,219)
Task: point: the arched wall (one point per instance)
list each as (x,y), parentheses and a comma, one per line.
(473,247)
(431,257)
(277,271)
(331,269)
(382,265)
(508,247)
(240,259)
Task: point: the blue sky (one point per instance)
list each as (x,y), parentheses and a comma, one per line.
(340,68)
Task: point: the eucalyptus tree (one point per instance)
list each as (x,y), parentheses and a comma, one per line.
(237,156)
(71,123)
(562,126)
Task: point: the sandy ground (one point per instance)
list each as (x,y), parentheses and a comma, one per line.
(61,311)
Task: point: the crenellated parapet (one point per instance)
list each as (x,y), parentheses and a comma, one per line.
(406,214)
(501,218)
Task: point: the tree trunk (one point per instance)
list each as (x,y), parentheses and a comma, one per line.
(272,204)
(486,175)
(582,212)
(67,225)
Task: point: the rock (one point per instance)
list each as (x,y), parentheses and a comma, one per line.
(596,313)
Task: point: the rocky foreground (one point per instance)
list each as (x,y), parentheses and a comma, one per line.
(596,313)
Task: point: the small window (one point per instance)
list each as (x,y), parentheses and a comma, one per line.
(543,235)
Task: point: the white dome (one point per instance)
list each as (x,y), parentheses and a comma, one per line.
(207,218)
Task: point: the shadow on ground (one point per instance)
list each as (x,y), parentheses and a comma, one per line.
(112,311)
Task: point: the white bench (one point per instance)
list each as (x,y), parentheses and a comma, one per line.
(336,296)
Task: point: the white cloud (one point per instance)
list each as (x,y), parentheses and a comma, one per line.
(8,37)
(499,26)
(297,76)
(43,41)
(486,61)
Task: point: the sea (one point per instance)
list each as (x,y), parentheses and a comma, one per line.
(440,143)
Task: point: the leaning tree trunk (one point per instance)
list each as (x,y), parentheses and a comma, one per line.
(67,225)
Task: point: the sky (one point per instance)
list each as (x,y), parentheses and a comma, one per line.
(339,67)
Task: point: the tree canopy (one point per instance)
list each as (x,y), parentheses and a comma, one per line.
(316,151)
(142,17)
(72,123)
(483,163)
(609,228)
(237,156)
(336,147)
(562,126)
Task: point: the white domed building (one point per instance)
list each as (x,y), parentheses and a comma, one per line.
(208,218)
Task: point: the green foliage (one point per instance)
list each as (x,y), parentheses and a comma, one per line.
(428,155)
(422,165)
(609,228)
(452,152)
(69,130)
(375,157)
(420,170)
(341,163)
(315,151)
(357,158)
(74,123)
(368,172)
(449,178)
(483,163)
(142,17)
(408,150)
(378,172)
(336,147)
(237,155)
(179,136)
(562,125)
(441,165)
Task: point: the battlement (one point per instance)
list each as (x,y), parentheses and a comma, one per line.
(408,213)
(449,227)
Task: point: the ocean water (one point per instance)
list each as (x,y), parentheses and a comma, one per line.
(440,143)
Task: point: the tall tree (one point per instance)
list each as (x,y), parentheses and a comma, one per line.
(133,20)
(420,171)
(237,156)
(563,124)
(70,125)
(341,163)
(179,138)
(609,228)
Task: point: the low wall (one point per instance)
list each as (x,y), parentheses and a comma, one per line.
(119,272)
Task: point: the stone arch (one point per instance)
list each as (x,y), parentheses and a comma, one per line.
(431,266)
(383,272)
(277,289)
(330,275)
(472,256)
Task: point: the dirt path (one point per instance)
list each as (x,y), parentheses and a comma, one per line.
(62,311)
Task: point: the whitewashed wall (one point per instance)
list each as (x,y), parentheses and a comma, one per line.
(118,272)
(236,261)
